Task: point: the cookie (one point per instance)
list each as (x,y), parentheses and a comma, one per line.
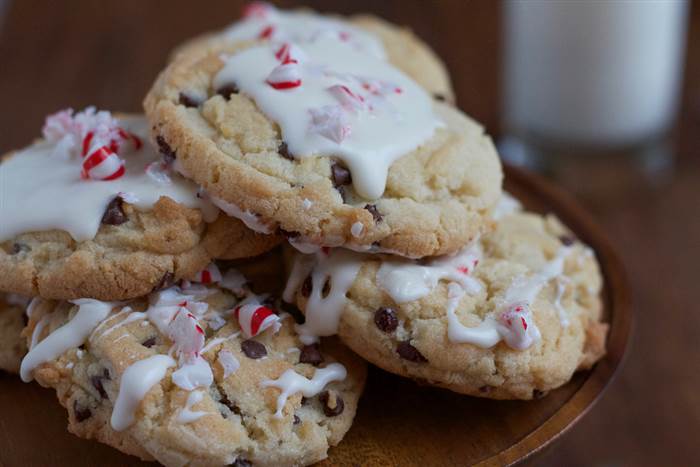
(92,211)
(340,149)
(510,317)
(386,40)
(12,321)
(195,375)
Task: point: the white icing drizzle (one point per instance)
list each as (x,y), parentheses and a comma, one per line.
(506,206)
(561,311)
(72,334)
(406,281)
(485,335)
(186,414)
(248,218)
(303,26)
(349,105)
(51,184)
(193,374)
(131,316)
(339,267)
(218,340)
(33,305)
(292,382)
(136,381)
(356,229)
(229,363)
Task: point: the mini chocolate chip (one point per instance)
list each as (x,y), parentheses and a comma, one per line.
(81,413)
(188,101)
(297,420)
(253,349)
(307,287)
(311,354)
(567,240)
(372,208)
(537,394)
(410,353)
(169,155)
(165,281)
(386,320)
(114,214)
(341,175)
(150,342)
(20,248)
(337,404)
(242,462)
(97,384)
(226,90)
(439,97)
(284,151)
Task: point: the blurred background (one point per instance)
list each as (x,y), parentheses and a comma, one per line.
(603,97)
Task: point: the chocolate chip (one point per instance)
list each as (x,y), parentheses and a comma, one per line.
(97,384)
(373,210)
(341,175)
(165,281)
(311,354)
(114,214)
(386,320)
(188,101)
(253,349)
(307,287)
(19,248)
(439,97)
(168,154)
(226,90)
(81,413)
(333,404)
(284,151)
(304,400)
(297,420)
(410,353)
(537,394)
(242,462)
(567,240)
(150,342)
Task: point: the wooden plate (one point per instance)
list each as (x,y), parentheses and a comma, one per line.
(399,422)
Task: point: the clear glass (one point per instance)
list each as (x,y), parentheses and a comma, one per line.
(591,78)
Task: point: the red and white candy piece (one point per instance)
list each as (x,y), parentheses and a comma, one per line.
(517,327)
(289,52)
(184,330)
(330,121)
(208,275)
(257,10)
(255,318)
(349,100)
(467,269)
(267,32)
(285,76)
(102,163)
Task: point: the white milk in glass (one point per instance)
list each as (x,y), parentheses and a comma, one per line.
(595,73)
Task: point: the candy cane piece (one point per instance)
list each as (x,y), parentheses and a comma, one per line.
(184,330)
(285,76)
(254,318)
(330,122)
(102,164)
(208,275)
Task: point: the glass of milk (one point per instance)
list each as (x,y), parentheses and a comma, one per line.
(590,77)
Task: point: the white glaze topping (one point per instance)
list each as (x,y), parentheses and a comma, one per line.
(301,26)
(229,363)
(292,382)
(186,414)
(42,188)
(136,381)
(72,334)
(193,374)
(339,267)
(333,100)
(405,280)
(248,218)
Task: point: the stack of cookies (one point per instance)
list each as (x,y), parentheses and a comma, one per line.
(202,285)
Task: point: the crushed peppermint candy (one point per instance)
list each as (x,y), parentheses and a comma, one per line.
(208,275)
(331,122)
(285,76)
(516,327)
(254,318)
(228,362)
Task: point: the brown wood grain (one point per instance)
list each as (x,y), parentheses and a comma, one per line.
(106,53)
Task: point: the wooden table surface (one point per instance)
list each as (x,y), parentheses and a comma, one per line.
(106,53)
